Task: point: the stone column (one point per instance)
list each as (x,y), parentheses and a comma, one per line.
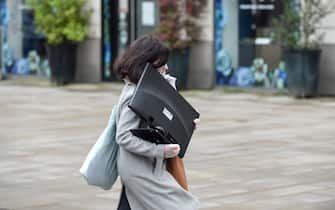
(89,56)
(230,31)
(14,32)
(201,70)
(327,64)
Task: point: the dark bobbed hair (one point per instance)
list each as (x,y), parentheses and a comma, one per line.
(146,48)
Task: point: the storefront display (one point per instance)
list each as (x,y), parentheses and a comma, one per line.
(33,59)
(259,60)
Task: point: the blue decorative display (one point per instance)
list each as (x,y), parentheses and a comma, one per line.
(280,77)
(4,19)
(223,62)
(106,39)
(242,77)
(22,67)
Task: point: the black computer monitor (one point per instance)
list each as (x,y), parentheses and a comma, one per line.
(160,105)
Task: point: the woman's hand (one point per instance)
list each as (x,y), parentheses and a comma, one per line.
(171,150)
(195,123)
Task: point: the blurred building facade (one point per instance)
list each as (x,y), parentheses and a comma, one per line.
(124,20)
(113,25)
(247,39)
(235,34)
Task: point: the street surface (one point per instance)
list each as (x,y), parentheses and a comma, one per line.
(250,151)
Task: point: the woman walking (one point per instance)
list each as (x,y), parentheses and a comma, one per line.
(147,185)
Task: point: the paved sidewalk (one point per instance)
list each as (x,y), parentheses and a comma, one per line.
(250,152)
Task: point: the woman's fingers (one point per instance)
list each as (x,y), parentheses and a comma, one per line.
(171,150)
(196,122)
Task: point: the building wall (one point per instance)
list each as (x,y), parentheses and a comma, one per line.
(328,26)
(327,64)
(89,56)
(201,70)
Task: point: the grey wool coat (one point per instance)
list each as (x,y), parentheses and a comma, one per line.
(142,168)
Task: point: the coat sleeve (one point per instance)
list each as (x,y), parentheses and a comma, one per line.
(129,120)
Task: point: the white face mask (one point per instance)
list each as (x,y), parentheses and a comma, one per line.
(171,80)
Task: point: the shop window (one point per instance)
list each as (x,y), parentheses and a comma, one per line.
(33,59)
(259,59)
(254,31)
(32,39)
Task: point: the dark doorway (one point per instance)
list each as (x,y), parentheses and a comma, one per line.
(115,34)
